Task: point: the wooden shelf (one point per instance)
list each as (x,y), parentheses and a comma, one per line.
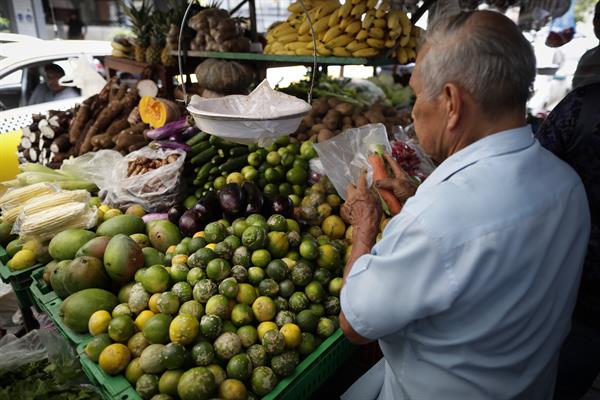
(274,60)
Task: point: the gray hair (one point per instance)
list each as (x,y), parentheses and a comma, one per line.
(493,62)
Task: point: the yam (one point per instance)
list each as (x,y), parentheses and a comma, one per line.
(78,122)
(345,109)
(124,141)
(360,120)
(117,126)
(332,119)
(325,134)
(316,128)
(319,108)
(60,144)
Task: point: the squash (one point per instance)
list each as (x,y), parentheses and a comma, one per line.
(156,111)
(226,77)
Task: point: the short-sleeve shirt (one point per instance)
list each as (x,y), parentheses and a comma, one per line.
(471,288)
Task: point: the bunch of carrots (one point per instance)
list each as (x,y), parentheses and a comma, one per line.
(391,204)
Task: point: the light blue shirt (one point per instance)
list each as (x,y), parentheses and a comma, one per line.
(471,288)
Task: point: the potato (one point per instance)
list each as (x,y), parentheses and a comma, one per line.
(346,127)
(325,134)
(375,117)
(332,102)
(317,128)
(319,108)
(302,137)
(360,120)
(347,120)
(332,119)
(345,108)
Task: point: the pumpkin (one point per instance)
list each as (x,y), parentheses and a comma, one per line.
(156,111)
(226,77)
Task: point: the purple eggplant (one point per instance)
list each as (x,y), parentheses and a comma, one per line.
(189,223)
(153,217)
(189,132)
(170,129)
(175,213)
(254,198)
(282,205)
(207,208)
(232,200)
(170,144)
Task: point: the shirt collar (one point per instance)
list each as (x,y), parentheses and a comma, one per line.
(493,145)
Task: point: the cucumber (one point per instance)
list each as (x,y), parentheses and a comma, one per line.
(204,156)
(238,151)
(203,173)
(234,164)
(200,147)
(197,138)
(222,143)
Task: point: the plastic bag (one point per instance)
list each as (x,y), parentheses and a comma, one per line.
(36,345)
(344,157)
(155,191)
(84,76)
(409,155)
(261,117)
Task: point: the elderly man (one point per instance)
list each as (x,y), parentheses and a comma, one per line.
(471,288)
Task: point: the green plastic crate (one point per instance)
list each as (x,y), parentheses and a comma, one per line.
(53,310)
(41,292)
(111,387)
(312,372)
(8,275)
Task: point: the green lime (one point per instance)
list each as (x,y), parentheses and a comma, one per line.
(261,258)
(273,158)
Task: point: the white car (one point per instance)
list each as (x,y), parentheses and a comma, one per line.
(16,38)
(21,70)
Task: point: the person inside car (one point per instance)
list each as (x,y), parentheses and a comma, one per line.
(51,89)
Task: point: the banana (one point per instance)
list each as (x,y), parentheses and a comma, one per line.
(401,55)
(286,53)
(339,41)
(376,43)
(292,37)
(320,36)
(380,23)
(327,8)
(304,27)
(345,22)
(119,54)
(120,47)
(267,49)
(293,46)
(393,20)
(323,51)
(359,9)
(371,4)
(355,45)
(277,46)
(334,19)
(295,8)
(404,40)
(321,25)
(394,35)
(303,52)
(411,54)
(362,35)
(354,2)
(368,52)
(376,33)
(344,10)
(332,33)
(353,28)
(412,43)
(405,22)
(341,52)
(305,38)
(390,43)
(368,20)
(282,30)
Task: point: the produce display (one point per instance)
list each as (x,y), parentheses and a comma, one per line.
(356,28)
(218,31)
(46,140)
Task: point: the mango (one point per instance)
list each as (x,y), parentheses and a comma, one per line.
(122,258)
(13,247)
(77,309)
(162,234)
(141,239)
(64,245)
(94,248)
(48,270)
(125,224)
(152,257)
(85,272)
(5,235)
(57,279)
(135,209)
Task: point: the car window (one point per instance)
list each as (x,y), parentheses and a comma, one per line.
(12,79)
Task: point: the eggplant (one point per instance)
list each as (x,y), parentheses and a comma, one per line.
(154,217)
(282,205)
(189,132)
(232,200)
(254,198)
(189,223)
(175,213)
(172,144)
(170,129)
(207,208)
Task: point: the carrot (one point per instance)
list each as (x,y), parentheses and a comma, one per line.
(380,172)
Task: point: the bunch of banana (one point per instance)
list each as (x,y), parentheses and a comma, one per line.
(121,47)
(356,28)
(407,50)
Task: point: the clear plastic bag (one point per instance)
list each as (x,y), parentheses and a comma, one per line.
(344,157)
(156,190)
(84,76)
(409,155)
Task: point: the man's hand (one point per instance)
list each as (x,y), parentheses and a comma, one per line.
(401,184)
(362,206)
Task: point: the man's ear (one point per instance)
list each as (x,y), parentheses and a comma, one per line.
(453,102)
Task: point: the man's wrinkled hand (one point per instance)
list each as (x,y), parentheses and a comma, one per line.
(362,206)
(401,184)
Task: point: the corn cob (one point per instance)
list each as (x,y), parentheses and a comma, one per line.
(18,196)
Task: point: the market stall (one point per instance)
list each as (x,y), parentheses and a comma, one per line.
(196,250)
